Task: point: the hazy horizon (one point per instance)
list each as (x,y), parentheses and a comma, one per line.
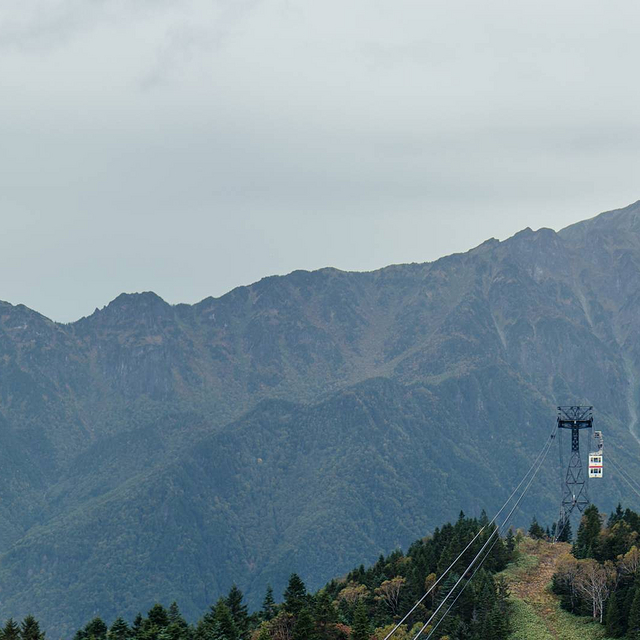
(176,302)
(191,147)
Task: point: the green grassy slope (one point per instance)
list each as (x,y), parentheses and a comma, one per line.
(536,610)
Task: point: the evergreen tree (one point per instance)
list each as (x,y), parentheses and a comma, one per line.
(613,619)
(158,616)
(268,605)
(510,541)
(535,530)
(238,611)
(119,630)
(295,595)
(11,630)
(96,629)
(616,516)
(30,629)
(178,628)
(566,533)
(136,627)
(495,624)
(586,544)
(361,629)
(224,621)
(633,626)
(324,612)
(304,628)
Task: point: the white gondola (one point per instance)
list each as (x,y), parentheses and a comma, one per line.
(595,464)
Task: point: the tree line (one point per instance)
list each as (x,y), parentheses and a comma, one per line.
(601,576)
(363,605)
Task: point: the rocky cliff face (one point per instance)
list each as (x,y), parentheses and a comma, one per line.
(303,423)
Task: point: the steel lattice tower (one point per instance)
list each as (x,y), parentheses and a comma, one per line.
(574,489)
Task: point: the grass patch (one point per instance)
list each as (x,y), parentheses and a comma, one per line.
(523,563)
(536,612)
(526,624)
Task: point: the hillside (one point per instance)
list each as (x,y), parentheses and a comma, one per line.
(535,611)
(312,421)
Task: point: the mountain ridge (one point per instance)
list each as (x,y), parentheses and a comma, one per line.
(119,421)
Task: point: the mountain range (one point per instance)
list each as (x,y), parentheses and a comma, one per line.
(307,422)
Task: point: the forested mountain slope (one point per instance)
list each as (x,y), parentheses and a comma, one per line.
(152,451)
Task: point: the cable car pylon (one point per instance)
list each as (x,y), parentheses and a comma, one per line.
(574,487)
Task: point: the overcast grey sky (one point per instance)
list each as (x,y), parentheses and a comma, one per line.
(190,146)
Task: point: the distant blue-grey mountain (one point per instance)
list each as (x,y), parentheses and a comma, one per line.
(304,423)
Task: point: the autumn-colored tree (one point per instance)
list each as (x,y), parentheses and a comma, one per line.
(564,581)
(429,583)
(629,563)
(594,582)
(281,627)
(389,593)
(352,593)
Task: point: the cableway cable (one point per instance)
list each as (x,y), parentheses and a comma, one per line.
(546,449)
(546,446)
(464,586)
(623,476)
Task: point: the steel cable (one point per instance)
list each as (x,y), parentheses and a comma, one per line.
(446,571)
(546,449)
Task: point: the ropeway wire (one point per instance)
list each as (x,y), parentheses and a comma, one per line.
(496,530)
(546,449)
(623,476)
(464,586)
(444,573)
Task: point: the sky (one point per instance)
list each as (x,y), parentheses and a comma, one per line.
(191,146)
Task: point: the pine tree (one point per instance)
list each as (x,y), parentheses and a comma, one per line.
(136,627)
(510,541)
(304,628)
(178,628)
(588,533)
(613,618)
(495,624)
(119,630)
(616,516)
(295,595)
(238,611)
(361,629)
(96,629)
(11,630)
(158,616)
(268,605)
(30,629)
(324,612)
(633,627)
(566,533)
(224,621)
(535,530)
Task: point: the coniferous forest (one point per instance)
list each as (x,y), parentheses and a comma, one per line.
(366,603)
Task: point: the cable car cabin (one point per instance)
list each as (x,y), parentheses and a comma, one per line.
(595,464)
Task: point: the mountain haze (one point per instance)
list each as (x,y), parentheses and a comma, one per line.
(306,422)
